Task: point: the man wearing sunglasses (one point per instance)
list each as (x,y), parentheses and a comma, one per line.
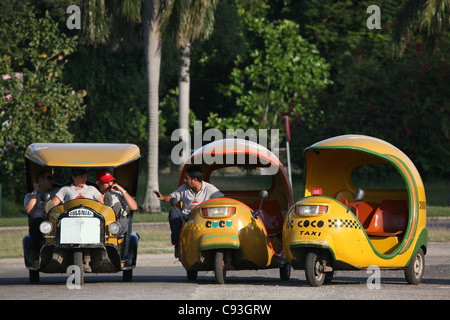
(35,209)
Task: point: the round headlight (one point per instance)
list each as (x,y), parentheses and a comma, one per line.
(46,227)
(114,228)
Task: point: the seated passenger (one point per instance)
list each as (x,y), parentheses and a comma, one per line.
(107,183)
(78,189)
(35,209)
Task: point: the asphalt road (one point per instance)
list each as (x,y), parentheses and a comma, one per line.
(161,277)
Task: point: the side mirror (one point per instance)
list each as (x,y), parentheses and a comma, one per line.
(359,195)
(45,197)
(263,194)
(116,208)
(48,203)
(107,199)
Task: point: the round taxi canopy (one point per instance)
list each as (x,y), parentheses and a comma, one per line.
(331,161)
(329,165)
(215,151)
(82,154)
(237,152)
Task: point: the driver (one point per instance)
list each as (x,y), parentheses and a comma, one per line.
(78,189)
(193,192)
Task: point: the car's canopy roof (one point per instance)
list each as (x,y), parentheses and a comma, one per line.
(90,155)
(329,165)
(240,153)
(225,147)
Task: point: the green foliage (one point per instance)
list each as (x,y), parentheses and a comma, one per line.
(403,101)
(37,106)
(284,74)
(115,109)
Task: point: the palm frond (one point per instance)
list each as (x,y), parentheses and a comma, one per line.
(131,10)
(429,18)
(188,20)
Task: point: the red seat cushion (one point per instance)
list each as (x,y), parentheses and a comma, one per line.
(390,219)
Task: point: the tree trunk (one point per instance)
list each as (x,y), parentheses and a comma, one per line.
(183,99)
(152,44)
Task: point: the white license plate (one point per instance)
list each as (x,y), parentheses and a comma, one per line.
(80,231)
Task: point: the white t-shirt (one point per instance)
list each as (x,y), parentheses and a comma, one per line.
(191,200)
(68,193)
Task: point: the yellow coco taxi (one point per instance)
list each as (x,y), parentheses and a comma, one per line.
(240,231)
(84,232)
(364,205)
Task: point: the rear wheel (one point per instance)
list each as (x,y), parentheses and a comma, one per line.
(219,267)
(314,270)
(414,271)
(192,275)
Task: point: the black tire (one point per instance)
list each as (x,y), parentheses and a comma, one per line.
(192,275)
(127,275)
(34,276)
(78,261)
(219,267)
(329,277)
(313,270)
(285,272)
(415,269)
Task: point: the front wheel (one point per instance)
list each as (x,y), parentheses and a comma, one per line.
(414,271)
(219,267)
(314,270)
(34,276)
(285,272)
(78,261)
(127,275)
(192,275)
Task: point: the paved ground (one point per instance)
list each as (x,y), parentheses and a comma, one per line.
(161,276)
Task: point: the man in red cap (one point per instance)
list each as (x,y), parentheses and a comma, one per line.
(107,183)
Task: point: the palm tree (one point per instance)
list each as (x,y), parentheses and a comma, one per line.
(193,19)
(98,25)
(185,21)
(430,18)
(152,42)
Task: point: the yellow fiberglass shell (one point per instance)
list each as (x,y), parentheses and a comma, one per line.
(241,153)
(329,165)
(82,154)
(122,159)
(239,231)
